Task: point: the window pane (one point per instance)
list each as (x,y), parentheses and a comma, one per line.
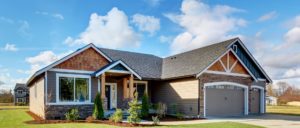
(141,90)
(82,89)
(66,89)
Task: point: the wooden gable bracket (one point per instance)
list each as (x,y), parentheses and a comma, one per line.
(229,64)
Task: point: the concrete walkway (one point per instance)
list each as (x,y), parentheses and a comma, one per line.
(266,120)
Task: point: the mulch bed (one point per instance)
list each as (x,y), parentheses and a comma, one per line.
(172,118)
(39,120)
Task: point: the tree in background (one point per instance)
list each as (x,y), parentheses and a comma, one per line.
(6,96)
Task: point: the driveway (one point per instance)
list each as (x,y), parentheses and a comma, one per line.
(266,120)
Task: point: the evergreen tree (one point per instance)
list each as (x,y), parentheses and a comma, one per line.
(133,111)
(145,106)
(98,112)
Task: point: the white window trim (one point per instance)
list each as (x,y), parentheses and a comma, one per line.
(143,82)
(227,73)
(71,71)
(74,76)
(262,97)
(246,93)
(20,91)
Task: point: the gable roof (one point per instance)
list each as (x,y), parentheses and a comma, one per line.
(18,85)
(39,72)
(147,66)
(113,64)
(193,62)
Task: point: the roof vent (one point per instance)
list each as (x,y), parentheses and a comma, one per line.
(172,58)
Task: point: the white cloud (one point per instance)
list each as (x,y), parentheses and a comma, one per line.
(24,28)
(7,20)
(268,16)
(10,47)
(165,39)
(146,23)
(1,83)
(292,73)
(111,31)
(41,60)
(58,16)
(54,15)
(7,80)
(292,37)
(203,24)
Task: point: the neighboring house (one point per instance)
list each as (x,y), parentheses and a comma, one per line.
(271,100)
(293,103)
(21,94)
(222,79)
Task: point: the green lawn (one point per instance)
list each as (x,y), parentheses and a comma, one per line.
(15,119)
(14,107)
(284,109)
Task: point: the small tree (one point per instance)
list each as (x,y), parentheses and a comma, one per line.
(98,112)
(133,110)
(145,106)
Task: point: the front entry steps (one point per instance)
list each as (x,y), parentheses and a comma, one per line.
(109,113)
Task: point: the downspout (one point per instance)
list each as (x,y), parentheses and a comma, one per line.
(199,90)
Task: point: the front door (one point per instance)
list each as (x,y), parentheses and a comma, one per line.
(111,95)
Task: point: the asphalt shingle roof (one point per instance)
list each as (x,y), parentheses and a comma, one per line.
(18,85)
(146,65)
(194,61)
(180,65)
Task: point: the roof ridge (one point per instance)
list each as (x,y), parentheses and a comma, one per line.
(213,44)
(130,52)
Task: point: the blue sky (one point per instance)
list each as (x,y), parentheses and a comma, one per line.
(36,33)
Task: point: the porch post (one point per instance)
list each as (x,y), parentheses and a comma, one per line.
(125,89)
(131,86)
(103,86)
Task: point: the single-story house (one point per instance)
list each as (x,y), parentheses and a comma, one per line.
(21,94)
(222,79)
(271,100)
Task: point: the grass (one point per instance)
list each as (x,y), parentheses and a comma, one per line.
(284,109)
(15,119)
(14,107)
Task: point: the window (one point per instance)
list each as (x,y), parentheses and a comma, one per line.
(74,88)
(234,47)
(19,100)
(20,91)
(140,88)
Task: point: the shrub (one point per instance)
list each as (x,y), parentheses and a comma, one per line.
(117,116)
(98,112)
(72,114)
(174,108)
(179,115)
(133,111)
(89,119)
(145,106)
(155,120)
(161,109)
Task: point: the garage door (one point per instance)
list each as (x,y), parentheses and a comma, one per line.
(224,100)
(255,101)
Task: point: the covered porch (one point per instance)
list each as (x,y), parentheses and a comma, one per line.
(117,84)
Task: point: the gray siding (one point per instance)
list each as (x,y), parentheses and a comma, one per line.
(182,92)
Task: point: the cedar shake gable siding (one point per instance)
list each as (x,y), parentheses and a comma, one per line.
(89,60)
